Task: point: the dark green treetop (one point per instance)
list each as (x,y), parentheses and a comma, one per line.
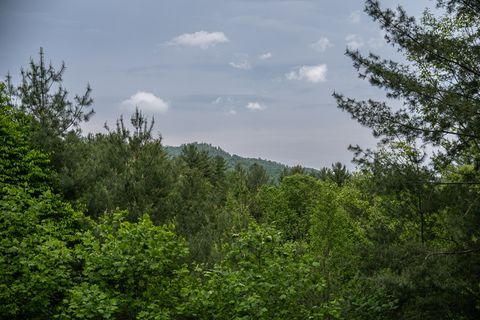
(42,95)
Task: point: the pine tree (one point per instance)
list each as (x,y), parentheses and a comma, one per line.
(42,95)
(438,83)
(437,206)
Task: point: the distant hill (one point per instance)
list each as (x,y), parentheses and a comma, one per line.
(274,169)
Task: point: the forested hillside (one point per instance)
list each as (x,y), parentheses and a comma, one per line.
(274,169)
(110,226)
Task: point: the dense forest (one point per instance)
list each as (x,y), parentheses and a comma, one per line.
(110,226)
(274,170)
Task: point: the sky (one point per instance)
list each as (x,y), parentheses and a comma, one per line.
(254,77)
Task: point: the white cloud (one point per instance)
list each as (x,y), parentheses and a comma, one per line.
(355,17)
(322,44)
(232,112)
(314,74)
(244,65)
(202,39)
(255,106)
(146,101)
(265,56)
(354,41)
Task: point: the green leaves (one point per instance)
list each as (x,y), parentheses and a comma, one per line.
(129,268)
(419,221)
(262,277)
(20,164)
(288,205)
(36,260)
(53,112)
(438,84)
(89,302)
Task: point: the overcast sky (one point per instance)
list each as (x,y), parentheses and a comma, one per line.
(254,77)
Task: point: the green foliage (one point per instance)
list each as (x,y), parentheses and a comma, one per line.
(274,208)
(334,234)
(196,200)
(438,83)
(20,164)
(394,269)
(418,212)
(338,174)
(37,229)
(292,171)
(263,277)
(36,260)
(120,169)
(195,209)
(54,114)
(288,206)
(130,270)
(273,169)
(256,177)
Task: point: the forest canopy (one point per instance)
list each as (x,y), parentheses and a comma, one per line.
(110,226)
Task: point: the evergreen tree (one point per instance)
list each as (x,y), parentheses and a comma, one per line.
(338,173)
(256,177)
(438,83)
(422,217)
(42,95)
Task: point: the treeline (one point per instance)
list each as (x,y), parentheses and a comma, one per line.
(273,169)
(107,226)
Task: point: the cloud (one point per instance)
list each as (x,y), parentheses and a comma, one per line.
(201,39)
(322,44)
(243,65)
(354,41)
(146,101)
(354,17)
(314,74)
(265,56)
(255,106)
(232,112)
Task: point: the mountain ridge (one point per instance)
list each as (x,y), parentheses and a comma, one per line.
(274,169)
